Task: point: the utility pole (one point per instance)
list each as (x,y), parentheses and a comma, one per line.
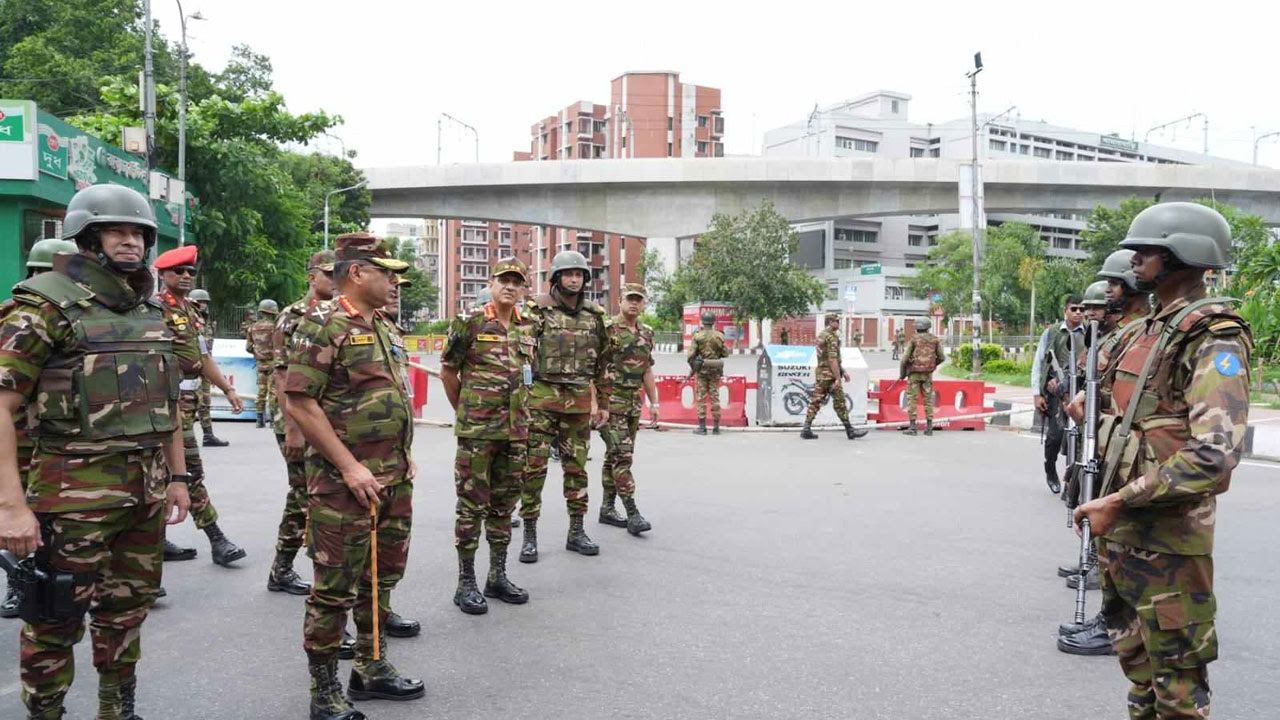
(330,194)
(148,91)
(182,124)
(447,116)
(1259,139)
(974,224)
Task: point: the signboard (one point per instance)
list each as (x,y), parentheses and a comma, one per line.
(52,153)
(735,334)
(240,369)
(787,379)
(872,269)
(17,140)
(1115,143)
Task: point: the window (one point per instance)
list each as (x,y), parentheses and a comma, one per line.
(719,147)
(504,238)
(910,264)
(1041,152)
(668,149)
(843,263)
(671,123)
(893,106)
(475,235)
(917,152)
(584,151)
(702,121)
(934,152)
(915,240)
(702,147)
(719,125)
(997,145)
(1064,156)
(845,143)
(585,249)
(598,126)
(859,236)
(504,253)
(475,272)
(475,254)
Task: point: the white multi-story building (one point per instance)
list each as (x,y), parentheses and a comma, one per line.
(877,125)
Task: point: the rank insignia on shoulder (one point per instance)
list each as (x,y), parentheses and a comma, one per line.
(1228,364)
(361,340)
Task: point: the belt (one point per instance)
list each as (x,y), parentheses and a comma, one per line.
(191,385)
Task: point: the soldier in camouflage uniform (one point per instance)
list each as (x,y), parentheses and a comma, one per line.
(39,260)
(257,342)
(899,342)
(630,371)
(107,472)
(706,355)
(1172,434)
(922,356)
(200,299)
(487,370)
(177,269)
(829,375)
(347,392)
(569,397)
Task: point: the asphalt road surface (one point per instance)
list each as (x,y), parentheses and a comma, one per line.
(889,577)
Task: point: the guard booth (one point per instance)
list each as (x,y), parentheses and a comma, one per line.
(786,381)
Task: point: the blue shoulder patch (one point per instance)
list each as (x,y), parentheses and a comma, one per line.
(1228,364)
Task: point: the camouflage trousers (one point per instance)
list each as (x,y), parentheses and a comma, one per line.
(293,523)
(340,553)
(123,547)
(707,387)
(266,399)
(1160,613)
(206,420)
(571,433)
(919,383)
(488,476)
(821,390)
(620,443)
(202,510)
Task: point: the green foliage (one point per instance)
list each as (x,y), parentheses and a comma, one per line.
(660,324)
(435,327)
(962,355)
(1106,227)
(1007,367)
(421,293)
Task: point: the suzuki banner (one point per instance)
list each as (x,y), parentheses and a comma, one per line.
(787,379)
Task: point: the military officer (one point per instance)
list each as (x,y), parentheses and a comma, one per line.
(258,343)
(487,371)
(108,470)
(200,299)
(569,397)
(177,269)
(922,356)
(829,377)
(706,355)
(346,391)
(1173,432)
(630,370)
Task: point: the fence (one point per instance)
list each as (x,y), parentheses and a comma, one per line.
(228,321)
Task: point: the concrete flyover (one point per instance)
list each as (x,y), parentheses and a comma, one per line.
(678,197)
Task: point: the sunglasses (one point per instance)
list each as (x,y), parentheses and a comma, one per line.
(1075,309)
(183,271)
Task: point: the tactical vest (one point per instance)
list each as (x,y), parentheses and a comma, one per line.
(115,387)
(924,354)
(570,344)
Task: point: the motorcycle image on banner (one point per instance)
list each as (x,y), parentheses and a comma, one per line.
(786,382)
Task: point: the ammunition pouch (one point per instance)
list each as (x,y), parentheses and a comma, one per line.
(47,594)
(717,364)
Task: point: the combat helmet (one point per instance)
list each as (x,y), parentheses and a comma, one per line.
(199,295)
(569,260)
(108,204)
(1095,296)
(1196,235)
(922,324)
(41,255)
(268,306)
(708,318)
(1118,266)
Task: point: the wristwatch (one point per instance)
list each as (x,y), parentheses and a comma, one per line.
(184,478)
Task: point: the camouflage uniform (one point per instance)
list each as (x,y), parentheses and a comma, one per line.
(1188,432)
(206,387)
(258,342)
(189,345)
(630,357)
(97,478)
(293,521)
(350,363)
(923,355)
(899,342)
(827,383)
(708,344)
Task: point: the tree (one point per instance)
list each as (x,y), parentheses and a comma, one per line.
(745,260)
(421,293)
(1106,227)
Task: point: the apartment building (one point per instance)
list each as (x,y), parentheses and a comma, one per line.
(653,114)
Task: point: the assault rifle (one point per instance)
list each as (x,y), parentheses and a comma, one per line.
(1089,467)
(1073,428)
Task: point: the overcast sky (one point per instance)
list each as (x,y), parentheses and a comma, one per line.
(389,68)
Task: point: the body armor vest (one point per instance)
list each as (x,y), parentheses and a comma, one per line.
(570,345)
(924,354)
(632,360)
(115,387)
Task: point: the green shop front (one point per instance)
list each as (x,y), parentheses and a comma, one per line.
(43,162)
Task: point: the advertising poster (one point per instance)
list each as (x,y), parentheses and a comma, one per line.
(241,371)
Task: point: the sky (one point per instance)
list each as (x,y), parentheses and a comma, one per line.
(390,68)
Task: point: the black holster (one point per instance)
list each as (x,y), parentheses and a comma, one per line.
(48,595)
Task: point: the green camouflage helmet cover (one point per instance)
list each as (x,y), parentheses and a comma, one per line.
(922,324)
(569,260)
(108,204)
(1095,296)
(1118,266)
(1196,235)
(268,306)
(41,255)
(199,295)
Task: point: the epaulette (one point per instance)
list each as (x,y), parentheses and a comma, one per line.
(56,288)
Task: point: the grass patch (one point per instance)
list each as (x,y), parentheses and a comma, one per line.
(1020,379)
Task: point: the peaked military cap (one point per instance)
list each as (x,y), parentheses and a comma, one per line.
(366,246)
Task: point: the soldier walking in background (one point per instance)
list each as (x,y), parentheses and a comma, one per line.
(1179,406)
(177,269)
(258,343)
(568,397)
(857,338)
(630,370)
(706,355)
(487,369)
(347,394)
(829,381)
(923,355)
(200,299)
(107,472)
(899,342)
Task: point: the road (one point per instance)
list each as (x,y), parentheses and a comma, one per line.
(888,577)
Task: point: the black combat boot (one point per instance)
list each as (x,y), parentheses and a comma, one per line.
(327,700)
(806,432)
(911,429)
(702,427)
(283,578)
(849,432)
(577,541)
(1051,477)
(529,548)
(1091,583)
(346,648)
(636,523)
(715,428)
(467,597)
(116,698)
(1091,641)
(12,599)
(378,679)
(261,421)
(401,627)
(1072,628)
(223,550)
(211,440)
(609,512)
(173,553)
(928,428)
(497,585)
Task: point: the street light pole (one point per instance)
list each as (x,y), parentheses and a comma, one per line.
(1259,139)
(974,221)
(475,132)
(330,194)
(148,90)
(182,124)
